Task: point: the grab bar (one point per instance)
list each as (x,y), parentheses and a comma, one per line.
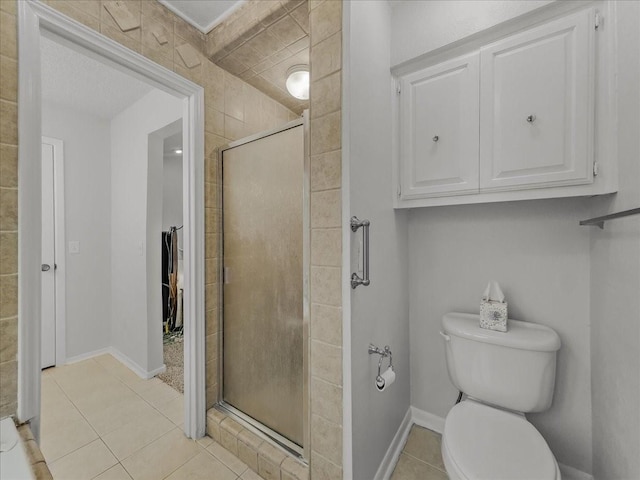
(356,280)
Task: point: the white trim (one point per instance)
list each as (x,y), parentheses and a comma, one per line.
(347,413)
(85,356)
(60,252)
(36,19)
(570,473)
(122,358)
(133,366)
(390,458)
(427,420)
(436,424)
(193,237)
(29,214)
(211,25)
(414,416)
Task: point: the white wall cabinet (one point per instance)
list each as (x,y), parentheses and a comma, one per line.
(513,119)
(439,129)
(536,107)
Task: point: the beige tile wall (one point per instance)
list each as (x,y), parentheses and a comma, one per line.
(8,208)
(233,109)
(36,459)
(326,239)
(260,455)
(260,41)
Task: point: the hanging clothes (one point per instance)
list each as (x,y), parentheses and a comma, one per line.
(169,279)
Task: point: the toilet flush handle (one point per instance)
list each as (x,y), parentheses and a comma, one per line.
(445,336)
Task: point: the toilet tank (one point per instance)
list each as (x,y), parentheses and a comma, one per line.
(514,369)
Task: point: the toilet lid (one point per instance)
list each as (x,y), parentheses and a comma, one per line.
(487,443)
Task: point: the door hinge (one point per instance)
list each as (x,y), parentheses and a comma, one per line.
(597,21)
(399,190)
(398,89)
(596,169)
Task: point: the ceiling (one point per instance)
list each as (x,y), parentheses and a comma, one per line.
(170,145)
(256,40)
(204,15)
(261,52)
(81,83)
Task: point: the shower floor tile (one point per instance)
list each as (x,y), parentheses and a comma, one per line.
(421,458)
(101,421)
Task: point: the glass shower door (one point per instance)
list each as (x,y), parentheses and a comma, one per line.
(263,375)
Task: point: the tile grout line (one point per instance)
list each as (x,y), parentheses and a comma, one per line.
(100,437)
(422,461)
(176,427)
(81,414)
(89,423)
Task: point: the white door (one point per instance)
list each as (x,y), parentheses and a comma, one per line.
(439,129)
(536,104)
(48,273)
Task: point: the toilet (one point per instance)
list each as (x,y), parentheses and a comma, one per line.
(504,376)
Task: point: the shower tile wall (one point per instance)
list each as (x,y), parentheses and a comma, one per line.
(8,209)
(227,118)
(260,42)
(326,238)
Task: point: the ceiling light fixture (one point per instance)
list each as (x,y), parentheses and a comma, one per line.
(177,151)
(298,81)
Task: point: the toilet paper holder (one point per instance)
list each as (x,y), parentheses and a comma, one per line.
(386,352)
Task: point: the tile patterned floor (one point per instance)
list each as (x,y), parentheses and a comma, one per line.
(101,421)
(421,458)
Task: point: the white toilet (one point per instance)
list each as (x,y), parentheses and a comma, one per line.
(504,375)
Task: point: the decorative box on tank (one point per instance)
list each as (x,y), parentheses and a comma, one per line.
(493,308)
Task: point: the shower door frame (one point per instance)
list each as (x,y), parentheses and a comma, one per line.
(305,451)
(36,19)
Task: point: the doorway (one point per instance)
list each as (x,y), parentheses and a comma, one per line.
(37,21)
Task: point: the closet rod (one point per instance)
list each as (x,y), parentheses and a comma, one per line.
(599,221)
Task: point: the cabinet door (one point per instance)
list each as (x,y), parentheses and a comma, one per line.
(536,107)
(439,129)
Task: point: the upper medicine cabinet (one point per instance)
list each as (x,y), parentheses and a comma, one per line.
(514,119)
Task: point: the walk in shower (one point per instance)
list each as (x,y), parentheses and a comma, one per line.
(265,215)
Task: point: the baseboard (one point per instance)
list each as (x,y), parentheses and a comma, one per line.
(122,358)
(570,473)
(427,420)
(436,424)
(86,356)
(395,449)
(137,369)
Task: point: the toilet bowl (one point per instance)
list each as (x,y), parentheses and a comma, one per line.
(481,442)
(504,375)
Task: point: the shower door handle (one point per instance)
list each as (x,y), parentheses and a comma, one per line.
(356,280)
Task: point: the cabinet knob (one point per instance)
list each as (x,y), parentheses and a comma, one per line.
(531,118)
(436,138)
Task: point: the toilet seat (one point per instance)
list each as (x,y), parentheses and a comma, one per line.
(484,443)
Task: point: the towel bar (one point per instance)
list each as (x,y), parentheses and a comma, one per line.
(599,221)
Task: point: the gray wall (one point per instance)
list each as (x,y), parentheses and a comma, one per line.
(420,26)
(540,256)
(379,313)
(136,222)
(172,193)
(87,167)
(535,249)
(615,282)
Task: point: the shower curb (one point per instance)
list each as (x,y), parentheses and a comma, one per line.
(262,455)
